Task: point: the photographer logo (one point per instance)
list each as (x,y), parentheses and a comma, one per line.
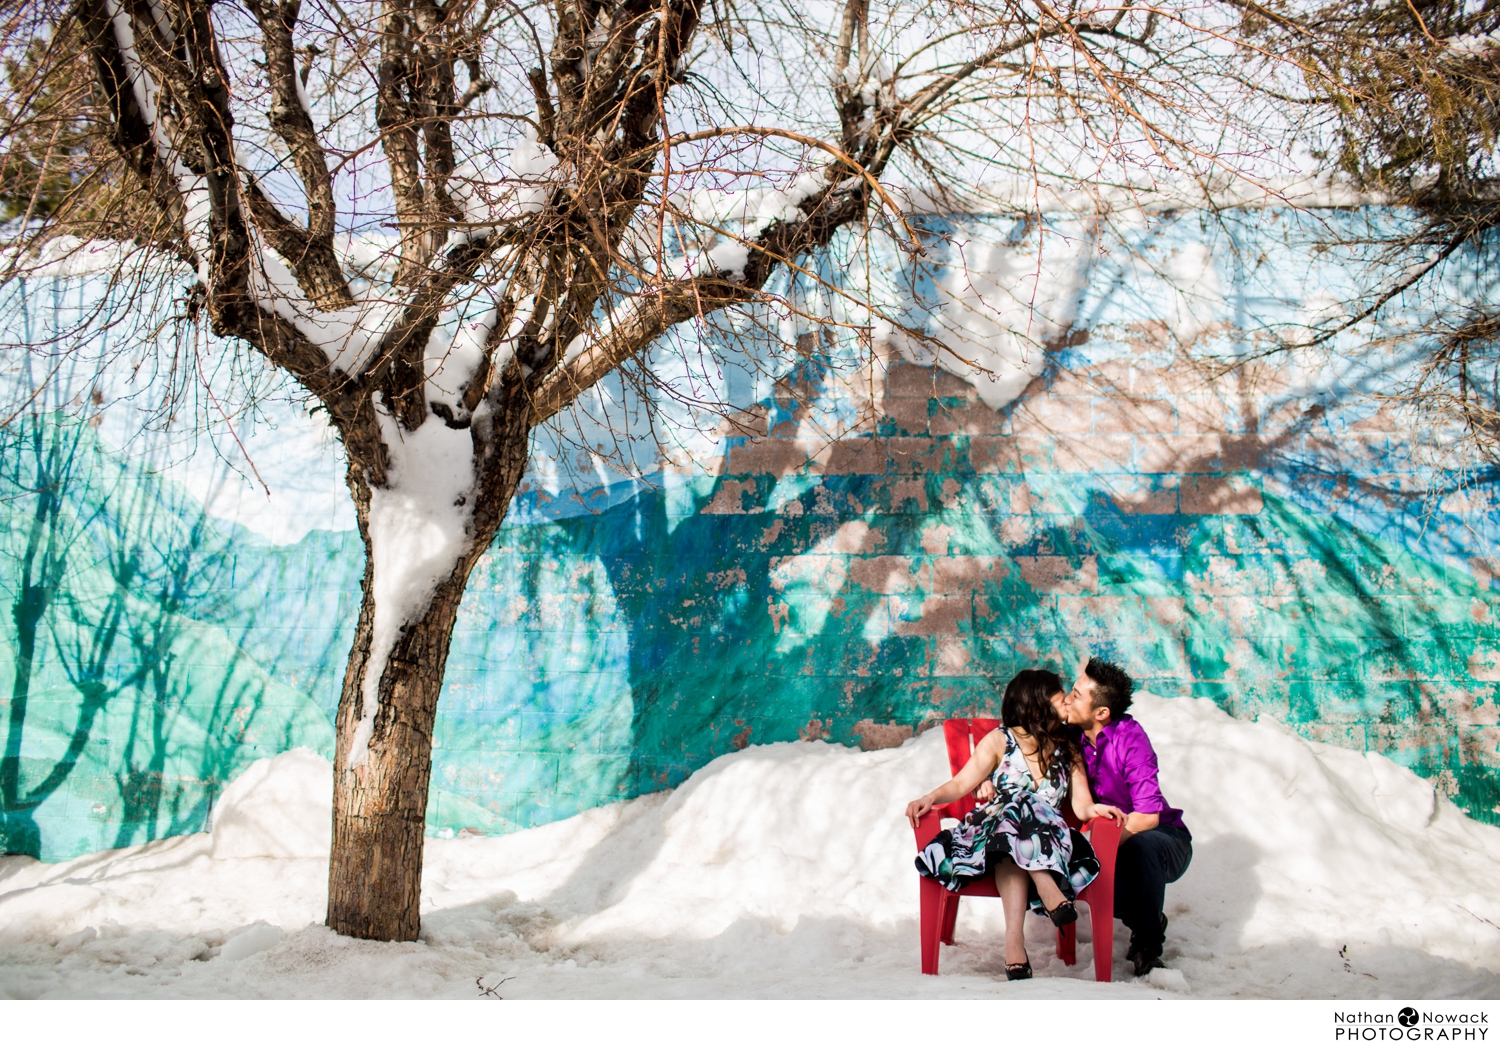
(1410,1025)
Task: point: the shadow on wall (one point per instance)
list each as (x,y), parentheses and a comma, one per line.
(847,590)
(856,590)
(127,710)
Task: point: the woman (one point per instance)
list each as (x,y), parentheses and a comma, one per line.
(1019,838)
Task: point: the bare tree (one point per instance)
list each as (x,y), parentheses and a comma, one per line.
(1401,98)
(567,182)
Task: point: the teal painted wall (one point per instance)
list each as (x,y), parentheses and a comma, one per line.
(868,548)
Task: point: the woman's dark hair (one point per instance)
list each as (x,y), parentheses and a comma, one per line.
(1028,705)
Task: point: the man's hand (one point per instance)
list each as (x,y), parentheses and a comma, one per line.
(915,811)
(985,792)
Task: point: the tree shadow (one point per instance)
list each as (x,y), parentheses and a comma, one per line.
(856,586)
(119,672)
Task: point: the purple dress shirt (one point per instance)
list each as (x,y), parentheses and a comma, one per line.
(1121,766)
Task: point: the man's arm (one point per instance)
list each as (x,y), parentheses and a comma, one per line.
(1139,822)
(1138,762)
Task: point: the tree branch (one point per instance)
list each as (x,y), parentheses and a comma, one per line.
(314,261)
(399,367)
(658,311)
(661,308)
(130,132)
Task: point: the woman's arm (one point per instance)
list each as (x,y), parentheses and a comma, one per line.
(980,765)
(1084,807)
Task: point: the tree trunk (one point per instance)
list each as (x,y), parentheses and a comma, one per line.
(380,807)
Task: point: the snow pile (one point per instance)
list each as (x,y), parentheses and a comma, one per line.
(277,808)
(455,350)
(1473,43)
(753,209)
(349,336)
(258,938)
(524,187)
(732,219)
(787,870)
(1334,846)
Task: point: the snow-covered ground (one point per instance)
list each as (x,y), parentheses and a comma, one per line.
(786,871)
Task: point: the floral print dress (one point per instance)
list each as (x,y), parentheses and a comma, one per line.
(1023,821)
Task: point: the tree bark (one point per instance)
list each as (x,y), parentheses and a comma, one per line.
(380,807)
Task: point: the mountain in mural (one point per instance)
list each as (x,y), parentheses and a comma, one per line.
(128,703)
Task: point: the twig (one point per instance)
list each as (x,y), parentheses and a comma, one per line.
(490,991)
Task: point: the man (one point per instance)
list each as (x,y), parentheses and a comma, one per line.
(1155,845)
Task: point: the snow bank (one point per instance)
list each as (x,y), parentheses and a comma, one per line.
(786,869)
(1298,840)
(279,808)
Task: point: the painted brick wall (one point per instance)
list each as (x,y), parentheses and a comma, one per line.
(868,550)
(857,589)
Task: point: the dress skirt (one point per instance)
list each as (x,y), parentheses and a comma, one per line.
(1023,827)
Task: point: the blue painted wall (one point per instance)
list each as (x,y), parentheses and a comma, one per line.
(866,549)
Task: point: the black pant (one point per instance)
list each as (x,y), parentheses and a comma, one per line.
(1147,861)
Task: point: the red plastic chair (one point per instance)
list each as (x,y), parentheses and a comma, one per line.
(940,905)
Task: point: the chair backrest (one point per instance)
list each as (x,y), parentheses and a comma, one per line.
(961,735)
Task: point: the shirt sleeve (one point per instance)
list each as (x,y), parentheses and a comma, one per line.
(1140,768)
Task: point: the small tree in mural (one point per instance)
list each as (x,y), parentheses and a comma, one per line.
(39,461)
(564,183)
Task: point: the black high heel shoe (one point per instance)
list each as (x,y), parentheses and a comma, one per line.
(1018,971)
(1064,914)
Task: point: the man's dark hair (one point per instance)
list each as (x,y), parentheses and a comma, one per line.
(1112,686)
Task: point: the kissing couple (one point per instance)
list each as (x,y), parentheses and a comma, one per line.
(1055,744)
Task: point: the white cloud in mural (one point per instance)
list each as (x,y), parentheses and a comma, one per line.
(298,458)
(997,305)
(249,451)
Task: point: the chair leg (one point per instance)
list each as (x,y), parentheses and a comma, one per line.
(950,916)
(932,923)
(1067,944)
(1102,919)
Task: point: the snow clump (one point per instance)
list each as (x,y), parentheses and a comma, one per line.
(276,809)
(526,182)
(419,524)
